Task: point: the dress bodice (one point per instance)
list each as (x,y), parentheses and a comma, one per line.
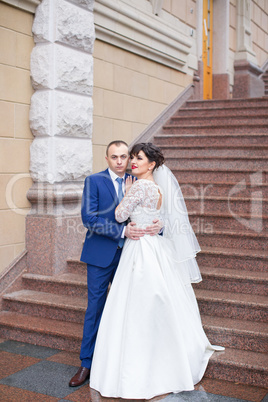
(140,204)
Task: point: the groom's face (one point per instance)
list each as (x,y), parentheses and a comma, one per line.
(117,159)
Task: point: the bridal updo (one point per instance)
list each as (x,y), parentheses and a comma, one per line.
(152,152)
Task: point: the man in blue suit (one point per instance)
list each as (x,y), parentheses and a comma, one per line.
(103,243)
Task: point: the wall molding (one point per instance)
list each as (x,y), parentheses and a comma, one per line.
(133,28)
(26,5)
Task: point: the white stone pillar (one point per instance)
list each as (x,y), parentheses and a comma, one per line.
(247,81)
(220,62)
(61,121)
(243,34)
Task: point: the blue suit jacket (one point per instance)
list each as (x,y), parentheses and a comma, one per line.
(98,215)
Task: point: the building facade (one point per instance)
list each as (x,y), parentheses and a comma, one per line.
(78,74)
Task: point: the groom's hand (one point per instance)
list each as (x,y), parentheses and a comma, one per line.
(132,232)
(154,229)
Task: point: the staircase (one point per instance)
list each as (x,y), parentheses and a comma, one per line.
(218,152)
(265,80)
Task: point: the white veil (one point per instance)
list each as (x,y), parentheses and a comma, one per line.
(177,227)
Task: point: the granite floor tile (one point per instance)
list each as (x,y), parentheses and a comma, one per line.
(26,349)
(70,358)
(95,396)
(36,373)
(44,377)
(11,363)
(81,395)
(11,394)
(200,396)
(234,390)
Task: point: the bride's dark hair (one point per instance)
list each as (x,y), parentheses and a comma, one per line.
(153,153)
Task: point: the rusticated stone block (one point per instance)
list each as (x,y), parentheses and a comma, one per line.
(41,28)
(40,117)
(56,113)
(74,70)
(57,159)
(74,25)
(73,116)
(55,66)
(42,66)
(84,3)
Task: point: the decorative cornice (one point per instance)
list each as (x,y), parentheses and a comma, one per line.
(129,27)
(27,5)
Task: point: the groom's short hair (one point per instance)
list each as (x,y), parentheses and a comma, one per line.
(117,143)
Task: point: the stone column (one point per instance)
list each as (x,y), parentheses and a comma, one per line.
(247,82)
(61,122)
(221,86)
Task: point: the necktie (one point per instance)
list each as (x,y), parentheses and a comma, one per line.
(120,189)
(120,197)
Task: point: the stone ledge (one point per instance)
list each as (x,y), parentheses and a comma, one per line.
(26,5)
(145,34)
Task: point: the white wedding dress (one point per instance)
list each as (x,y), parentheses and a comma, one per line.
(150,340)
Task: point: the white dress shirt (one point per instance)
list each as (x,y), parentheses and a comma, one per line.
(116,186)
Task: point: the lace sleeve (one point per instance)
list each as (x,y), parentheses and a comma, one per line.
(134,197)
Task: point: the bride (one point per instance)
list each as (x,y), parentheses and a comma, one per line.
(150,341)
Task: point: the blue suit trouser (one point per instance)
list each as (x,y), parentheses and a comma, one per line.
(98,280)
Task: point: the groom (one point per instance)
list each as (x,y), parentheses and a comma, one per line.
(103,243)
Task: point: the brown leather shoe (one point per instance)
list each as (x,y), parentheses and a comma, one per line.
(80,377)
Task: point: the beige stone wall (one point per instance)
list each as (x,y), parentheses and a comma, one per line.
(129,93)
(259,29)
(184,10)
(16,43)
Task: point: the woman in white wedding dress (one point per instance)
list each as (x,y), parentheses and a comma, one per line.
(150,340)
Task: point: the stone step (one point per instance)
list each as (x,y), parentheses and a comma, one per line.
(226,163)
(242,366)
(74,265)
(232,205)
(41,331)
(208,222)
(240,306)
(210,139)
(233,280)
(215,120)
(244,240)
(236,334)
(222,128)
(233,258)
(227,103)
(218,176)
(249,152)
(46,305)
(227,111)
(230,258)
(241,189)
(64,284)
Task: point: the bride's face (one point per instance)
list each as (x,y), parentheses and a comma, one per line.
(140,165)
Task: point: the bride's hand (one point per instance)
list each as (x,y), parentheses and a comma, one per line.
(128,183)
